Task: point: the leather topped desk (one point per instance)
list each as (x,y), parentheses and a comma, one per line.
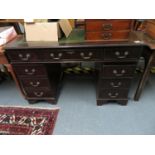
(37,65)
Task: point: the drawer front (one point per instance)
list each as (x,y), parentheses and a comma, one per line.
(108,25)
(113,94)
(39,93)
(114,83)
(117,71)
(35,83)
(121,53)
(72,54)
(30,70)
(23,56)
(106,36)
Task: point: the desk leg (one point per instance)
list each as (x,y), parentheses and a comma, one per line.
(144,77)
(102,102)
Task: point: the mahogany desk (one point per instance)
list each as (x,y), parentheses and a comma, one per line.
(38,70)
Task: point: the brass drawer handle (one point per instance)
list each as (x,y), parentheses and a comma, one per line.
(83,55)
(35,84)
(118,54)
(116,85)
(106,35)
(30,72)
(58,56)
(39,94)
(119,74)
(113,95)
(24,58)
(107,27)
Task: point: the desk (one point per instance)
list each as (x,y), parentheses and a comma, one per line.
(37,65)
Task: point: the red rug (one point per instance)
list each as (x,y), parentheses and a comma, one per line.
(27,121)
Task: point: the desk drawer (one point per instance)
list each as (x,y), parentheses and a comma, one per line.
(35,83)
(117,70)
(106,36)
(72,54)
(113,94)
(114,83)
(39,93)
(122,53)
(23,55)
(107,25)
(30,70)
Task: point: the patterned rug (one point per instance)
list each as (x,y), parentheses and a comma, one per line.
(27,121)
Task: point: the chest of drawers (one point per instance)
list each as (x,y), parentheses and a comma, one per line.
(108,30)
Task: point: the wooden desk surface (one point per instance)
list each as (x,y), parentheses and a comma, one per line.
(75,39)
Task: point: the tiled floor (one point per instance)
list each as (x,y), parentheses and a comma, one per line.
(80,115)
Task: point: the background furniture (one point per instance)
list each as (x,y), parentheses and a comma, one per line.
(149,55)
(3,59)
(80,23)
(13,22)
(8,67)
(108,29)
(150,28)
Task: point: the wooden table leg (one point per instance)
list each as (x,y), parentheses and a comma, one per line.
(144,77)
